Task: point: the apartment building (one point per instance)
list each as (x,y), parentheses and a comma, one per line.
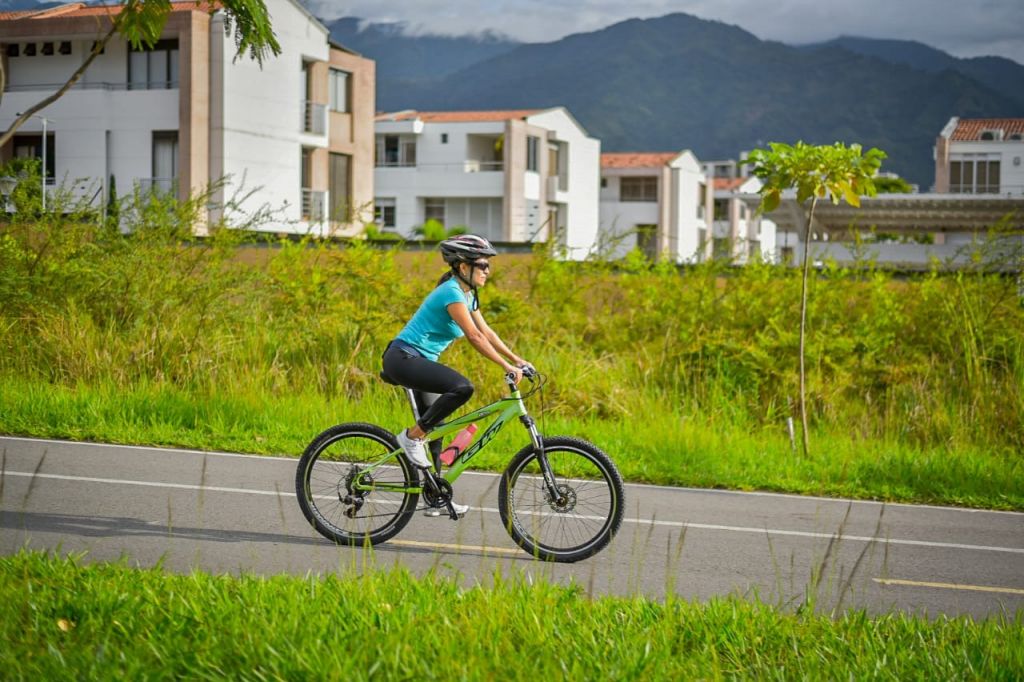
(658,202)
(295,136)
(740,234)
(510,176)
(980,156)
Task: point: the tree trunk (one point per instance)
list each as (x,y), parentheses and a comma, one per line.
(18,122)
(803,327)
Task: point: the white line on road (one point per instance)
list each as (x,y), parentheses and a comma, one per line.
(490,474)
(948,586)
(642,522)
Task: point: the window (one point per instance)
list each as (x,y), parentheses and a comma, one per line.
(604,183)
(339,182)
(12,50)
(65,47)
(638,188)
(647,241)
(338,85)
(384,213)
(701,191)
(444,138)
(165,160)
(30,50)
(1015,136)
(721,209)
(31,147)
(974,176)
(393,150)
(532,144)
(155,69)
(994,134)
(48,49)
(433,209)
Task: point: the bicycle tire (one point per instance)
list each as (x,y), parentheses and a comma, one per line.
(320,489)
(527,510)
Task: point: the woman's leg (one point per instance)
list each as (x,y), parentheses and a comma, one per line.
(453,390)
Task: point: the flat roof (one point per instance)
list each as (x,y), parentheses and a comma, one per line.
(903,212)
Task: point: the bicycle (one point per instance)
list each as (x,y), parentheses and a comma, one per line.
(560,498)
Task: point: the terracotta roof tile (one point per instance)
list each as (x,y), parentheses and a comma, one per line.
(728,183)
(458,116)
(971,128)
(78,9)
(637,159)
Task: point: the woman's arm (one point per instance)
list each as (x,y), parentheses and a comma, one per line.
(479,340)
(496,342)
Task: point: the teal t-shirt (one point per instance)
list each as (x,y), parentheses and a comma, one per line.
(432,329)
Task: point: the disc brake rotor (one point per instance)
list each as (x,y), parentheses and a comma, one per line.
(566,500)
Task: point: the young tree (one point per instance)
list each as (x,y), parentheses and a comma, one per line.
(834,171)
(140,22)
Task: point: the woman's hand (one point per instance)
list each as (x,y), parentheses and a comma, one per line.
(515,373)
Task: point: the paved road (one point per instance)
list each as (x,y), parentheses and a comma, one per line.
(231,513)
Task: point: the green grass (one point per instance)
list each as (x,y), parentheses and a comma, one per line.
(659,448)
(61,618)
(915,387)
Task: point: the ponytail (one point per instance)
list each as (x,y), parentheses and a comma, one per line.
(445,277)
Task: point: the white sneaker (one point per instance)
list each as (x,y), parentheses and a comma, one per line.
(460,510)
(415,450)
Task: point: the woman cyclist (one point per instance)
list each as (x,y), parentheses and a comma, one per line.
(448,312)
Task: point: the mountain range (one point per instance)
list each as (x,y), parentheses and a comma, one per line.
(680,82)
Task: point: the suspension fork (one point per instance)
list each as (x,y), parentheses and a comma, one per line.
(542,457)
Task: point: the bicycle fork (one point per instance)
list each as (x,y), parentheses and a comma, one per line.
(542,459)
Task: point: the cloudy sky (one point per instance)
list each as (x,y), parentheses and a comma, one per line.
(965,28)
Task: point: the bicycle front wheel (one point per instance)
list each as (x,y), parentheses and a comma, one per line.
(346,495)
(583,516)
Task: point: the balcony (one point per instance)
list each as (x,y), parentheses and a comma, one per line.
(314,205)
(314,118)
(163,187)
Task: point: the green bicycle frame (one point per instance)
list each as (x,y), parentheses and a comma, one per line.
(507,408)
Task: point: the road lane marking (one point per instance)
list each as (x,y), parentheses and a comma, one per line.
(458,548)
(948,586)
(492,510)
(490,474)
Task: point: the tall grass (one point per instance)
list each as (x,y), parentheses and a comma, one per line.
(63,619)
(916,385)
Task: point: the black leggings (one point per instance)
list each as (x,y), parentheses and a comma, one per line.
(437,390)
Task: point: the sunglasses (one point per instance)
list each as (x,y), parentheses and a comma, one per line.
(485,266)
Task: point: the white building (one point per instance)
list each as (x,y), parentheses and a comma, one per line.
(980,156)
(510,176)
(658,202)
(184,113)
(741,235)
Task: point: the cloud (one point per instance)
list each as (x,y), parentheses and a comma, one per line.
(961,28)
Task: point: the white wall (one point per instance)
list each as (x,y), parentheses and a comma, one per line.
(581,198)
(684,237)
(80,119)
(1011,177)
(618,219)
(259,135)
(440,172)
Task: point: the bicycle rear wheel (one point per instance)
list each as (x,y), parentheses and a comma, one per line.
(585,515)
(328,481)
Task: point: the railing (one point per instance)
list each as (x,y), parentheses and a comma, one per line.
(475,166)
(314,203)
(158,186)
(467,166)
(52,87)
(314,117)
